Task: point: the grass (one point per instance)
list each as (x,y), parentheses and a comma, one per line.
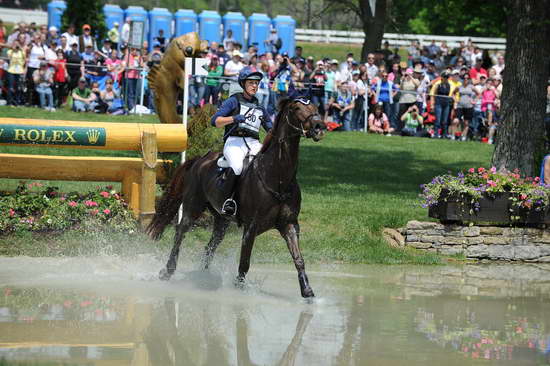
(353,185)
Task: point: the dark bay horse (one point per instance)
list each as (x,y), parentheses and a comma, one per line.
(268,194)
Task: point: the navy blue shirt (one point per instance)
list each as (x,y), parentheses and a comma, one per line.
(231,107)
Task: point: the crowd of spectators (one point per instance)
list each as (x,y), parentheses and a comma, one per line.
(433,91)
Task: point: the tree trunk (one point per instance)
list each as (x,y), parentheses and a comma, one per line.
(373,26)
(520,140)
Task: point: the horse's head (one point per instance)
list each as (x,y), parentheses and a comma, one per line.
(306,118)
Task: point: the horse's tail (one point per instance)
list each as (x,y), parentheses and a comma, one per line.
(169,204)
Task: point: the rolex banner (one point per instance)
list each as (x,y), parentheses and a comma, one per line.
(62,135)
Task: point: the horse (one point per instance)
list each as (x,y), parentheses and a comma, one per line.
(267,193)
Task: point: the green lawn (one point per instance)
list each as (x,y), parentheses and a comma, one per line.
(353,185)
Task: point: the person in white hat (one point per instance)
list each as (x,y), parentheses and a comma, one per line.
(114,35)
(232,69)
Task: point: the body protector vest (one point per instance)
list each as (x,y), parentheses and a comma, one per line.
(253,114)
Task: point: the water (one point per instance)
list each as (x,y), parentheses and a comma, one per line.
(113,311)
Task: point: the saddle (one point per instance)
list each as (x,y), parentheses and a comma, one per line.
(223,164)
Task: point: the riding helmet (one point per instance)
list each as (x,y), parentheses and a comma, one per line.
(248,74)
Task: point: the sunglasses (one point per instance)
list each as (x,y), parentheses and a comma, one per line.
(109,83)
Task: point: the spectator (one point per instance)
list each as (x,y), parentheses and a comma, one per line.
(465,108)
(318,80)
(385,92)
(53,36)
(106,48)
(297,54)
(70,36)
(413,123)
(386,52)
(488,98)
(273,42)
(222,55)
(43,80)
(74,61)
(2,34)
(229,41)
(63,45)
(378,121)
(110,97)
(212,89)
(372,69)
(476,55)
(125,33)
(360,92)
(263,87)
(16,71)
(83,97)
(408,88)
(161,39)
(232,69)
(441,100)
(343,104)
(413,53)
(60,78)
(114,35)
(37,54)
(86,39)
(476,71)
(499,67)
(431,71)
(422,89)
(433,49)
(132,76)
(330,83)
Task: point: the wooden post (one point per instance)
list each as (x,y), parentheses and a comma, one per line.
(148,178)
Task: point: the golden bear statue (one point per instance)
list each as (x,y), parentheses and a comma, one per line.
(166,78)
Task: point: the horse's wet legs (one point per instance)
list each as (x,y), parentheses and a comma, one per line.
(249,235)
(182,228)
(218,233)
(291,232)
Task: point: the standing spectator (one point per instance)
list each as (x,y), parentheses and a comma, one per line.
(343,104)
(37,54)
(53,36)
(431,72)
(330,84)
(465,107)
(83,97)
(132,77)
(433,49)
(385,92)
(273,42)
(378,121)
(86,39)
(60,78)
(43,79)
(70,36)
(318,79)
(212,88)
(408,88)
(499,66)
(125,34)
(297,54)
(476,71)
(441,102)
(63,45)
(229,41)
(16,70)
(161,39)
(386,52)
(74,61)
(2,34)
(413,122)
(263,87)
(114,35)
(372,69)
(222,55)
(107,48)
(232,69)
(413,53)
(488,99)
(359,90)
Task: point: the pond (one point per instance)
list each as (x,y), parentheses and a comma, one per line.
(109,310)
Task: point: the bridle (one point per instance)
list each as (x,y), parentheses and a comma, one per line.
(301,130)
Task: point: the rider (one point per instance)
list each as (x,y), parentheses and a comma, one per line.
(241,115)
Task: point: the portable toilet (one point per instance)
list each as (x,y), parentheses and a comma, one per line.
(159,19)
(137,13)
(259,26)
(285,27)
(235,22)
(55,12)
(186,21)
(113,14)
(209,26)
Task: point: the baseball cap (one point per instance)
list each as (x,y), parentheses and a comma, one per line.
(86,26)
(116,24)
(82,80)
(334,61)
(455,72)
(53,28)
(237,53)
(319,63)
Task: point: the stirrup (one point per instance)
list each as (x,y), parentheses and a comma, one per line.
(229,207)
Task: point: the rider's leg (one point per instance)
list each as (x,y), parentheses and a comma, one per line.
(234,151)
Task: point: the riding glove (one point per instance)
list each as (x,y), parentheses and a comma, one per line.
(239,118)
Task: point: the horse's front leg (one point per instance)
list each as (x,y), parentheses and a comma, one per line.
(249,235)
(291,232)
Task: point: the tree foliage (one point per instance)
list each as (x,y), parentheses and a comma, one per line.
(90,12)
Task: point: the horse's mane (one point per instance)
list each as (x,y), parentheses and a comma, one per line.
(281,107)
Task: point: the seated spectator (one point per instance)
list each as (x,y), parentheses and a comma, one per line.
(111,97)
(83,97)
(413,123)
(43,80)
(378,122)
(343,103)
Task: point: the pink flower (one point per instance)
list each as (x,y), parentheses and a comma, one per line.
(72,204)
(491,183)
(12,212)
(523,196)
(62,198)
(537,179)
(67,303)
(105,194)
(493,170)
(86,303)
(116,196)
(89,203)
(471,170)
(106,211)
(480,169)
(94,212)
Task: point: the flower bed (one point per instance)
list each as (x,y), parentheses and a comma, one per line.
(488,196)
(33,207)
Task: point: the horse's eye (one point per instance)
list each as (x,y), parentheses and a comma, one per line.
(188,51)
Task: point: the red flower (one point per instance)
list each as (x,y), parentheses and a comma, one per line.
(12,212)
(73,204)
(105,194)
(471,170)
(106,211)
(480,169)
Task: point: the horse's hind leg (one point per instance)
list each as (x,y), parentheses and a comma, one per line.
(291,232)
(218,233)
(183,227)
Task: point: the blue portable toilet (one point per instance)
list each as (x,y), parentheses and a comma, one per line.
(209,26)
(259,26)
(286,26)
(113,13)
(234,21)
(137,13)
(159,18)
(186,21)
(55,12)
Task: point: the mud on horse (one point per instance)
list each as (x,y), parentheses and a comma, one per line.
(268,194)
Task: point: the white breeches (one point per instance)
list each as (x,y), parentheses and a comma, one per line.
(235,151)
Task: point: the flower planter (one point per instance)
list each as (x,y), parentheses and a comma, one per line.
(496,208)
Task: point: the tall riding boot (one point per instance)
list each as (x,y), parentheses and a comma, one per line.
(227,183)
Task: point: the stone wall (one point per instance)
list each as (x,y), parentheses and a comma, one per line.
(480,242)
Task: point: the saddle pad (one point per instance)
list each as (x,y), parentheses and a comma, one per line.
(222,163)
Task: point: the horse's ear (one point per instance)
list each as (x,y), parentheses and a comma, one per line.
(292,92)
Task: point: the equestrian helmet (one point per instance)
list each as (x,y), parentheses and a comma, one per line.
(248,74)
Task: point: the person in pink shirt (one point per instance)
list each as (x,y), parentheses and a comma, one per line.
(488,99)
(115,67)
(379,122)
(477,70)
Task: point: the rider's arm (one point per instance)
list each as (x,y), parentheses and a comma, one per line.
(266,121)
(223,116)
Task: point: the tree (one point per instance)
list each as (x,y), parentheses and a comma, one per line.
(90,12)
(520,141)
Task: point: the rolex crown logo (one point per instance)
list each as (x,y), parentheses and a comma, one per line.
(93,136)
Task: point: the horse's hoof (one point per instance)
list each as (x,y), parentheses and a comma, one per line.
(307,293)
(239,282)
(164,275)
